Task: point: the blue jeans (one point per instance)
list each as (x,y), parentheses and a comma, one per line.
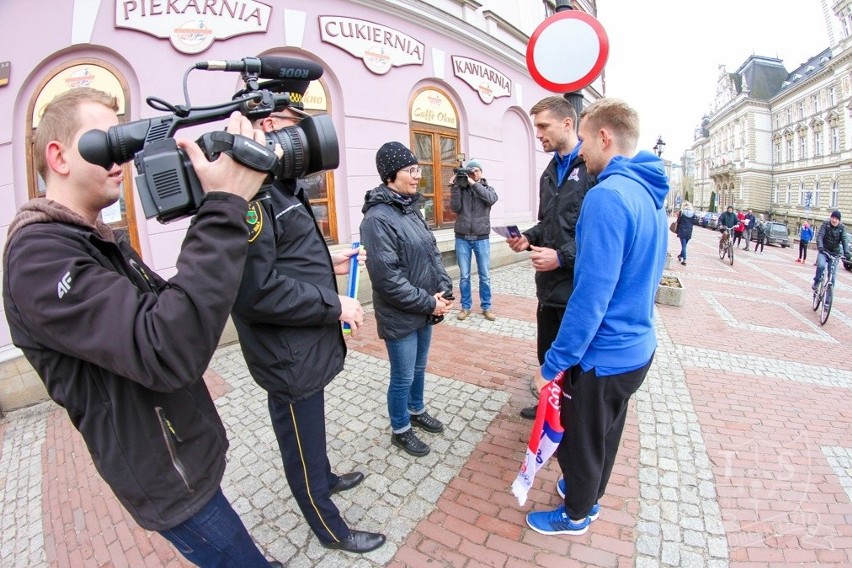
(683,248)
(482,250)
(215,537)
(822,261)
(408,356)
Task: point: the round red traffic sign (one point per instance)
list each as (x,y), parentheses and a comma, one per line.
(567,51)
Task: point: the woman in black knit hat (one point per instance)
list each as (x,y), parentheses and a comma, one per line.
(411,289)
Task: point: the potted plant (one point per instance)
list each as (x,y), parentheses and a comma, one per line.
(670,291)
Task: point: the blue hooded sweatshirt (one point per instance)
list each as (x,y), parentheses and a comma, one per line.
(621,250)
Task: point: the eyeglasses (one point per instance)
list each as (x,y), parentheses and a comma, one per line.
(413,170)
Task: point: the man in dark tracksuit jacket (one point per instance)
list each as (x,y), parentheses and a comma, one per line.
(562,187)
(121,349)
(288,315)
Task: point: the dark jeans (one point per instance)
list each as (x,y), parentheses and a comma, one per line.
(593,413)
(300,430)
(408,357)
(759,243)
(738,238)
(215,537)
(803,250)
(548,320)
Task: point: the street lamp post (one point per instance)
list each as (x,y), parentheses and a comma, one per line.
(659,146)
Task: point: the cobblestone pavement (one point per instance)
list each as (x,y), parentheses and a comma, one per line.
(737,449)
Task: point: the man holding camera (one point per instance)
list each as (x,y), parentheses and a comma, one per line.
(288,315)
(471,200)
(123,350)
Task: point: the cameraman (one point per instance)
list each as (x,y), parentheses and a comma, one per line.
(123,350)
(288,315)
(471,200)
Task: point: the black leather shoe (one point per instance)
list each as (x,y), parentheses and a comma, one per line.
(409,442)
(426,422)
(347,481)
(529,412)
(358,541)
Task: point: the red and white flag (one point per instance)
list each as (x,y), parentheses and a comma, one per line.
(544,439)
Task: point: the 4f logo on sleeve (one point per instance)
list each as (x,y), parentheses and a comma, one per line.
(64,285)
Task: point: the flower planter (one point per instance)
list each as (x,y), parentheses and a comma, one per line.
(670,291)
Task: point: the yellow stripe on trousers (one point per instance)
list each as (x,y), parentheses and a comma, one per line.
(305,470)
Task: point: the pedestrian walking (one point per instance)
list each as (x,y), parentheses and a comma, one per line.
(686,220)
(805,236)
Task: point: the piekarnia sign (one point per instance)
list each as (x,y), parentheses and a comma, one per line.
(482,78)
(193,25)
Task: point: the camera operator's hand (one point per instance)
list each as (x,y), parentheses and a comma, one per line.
(518,244)
(540,381)
(351,312)
(224,174)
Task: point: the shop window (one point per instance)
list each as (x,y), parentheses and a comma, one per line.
(435,142)
(99,75)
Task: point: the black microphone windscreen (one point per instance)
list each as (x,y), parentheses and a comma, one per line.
(275,67)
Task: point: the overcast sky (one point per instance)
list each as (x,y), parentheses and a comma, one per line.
(665,54)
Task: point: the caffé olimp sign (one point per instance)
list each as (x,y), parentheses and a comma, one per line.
(378,46)
(482,78)
(193,25)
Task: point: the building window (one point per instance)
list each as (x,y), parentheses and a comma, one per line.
(789,115)
(815,99)
(778,152)
(435,142)
(802,146)
(835,139)
(790,156)
(815,197)
(834,192)
(319,187)
(789,190)
(817,143)
(832,96)
(801,193)
(775,193)
(801,110)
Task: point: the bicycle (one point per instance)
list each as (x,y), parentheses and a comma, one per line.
(824,293)
(726,245)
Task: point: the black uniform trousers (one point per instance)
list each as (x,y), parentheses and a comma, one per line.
(592,413)
(300,430)
(548,320)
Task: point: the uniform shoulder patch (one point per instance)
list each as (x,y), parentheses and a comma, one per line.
(254,219)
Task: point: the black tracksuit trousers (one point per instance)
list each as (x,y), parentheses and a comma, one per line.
(593,413)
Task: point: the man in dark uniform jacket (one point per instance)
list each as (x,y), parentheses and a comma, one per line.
(562,187)
(288,315)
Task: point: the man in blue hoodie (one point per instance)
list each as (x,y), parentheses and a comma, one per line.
(606,341)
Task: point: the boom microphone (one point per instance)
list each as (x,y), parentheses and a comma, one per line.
(269,67)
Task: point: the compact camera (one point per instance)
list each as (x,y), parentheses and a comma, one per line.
(168,186)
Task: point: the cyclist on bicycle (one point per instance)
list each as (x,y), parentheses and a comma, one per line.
(727,221)
(830,239)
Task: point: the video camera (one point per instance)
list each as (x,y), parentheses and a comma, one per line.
(462,175)
(168,186)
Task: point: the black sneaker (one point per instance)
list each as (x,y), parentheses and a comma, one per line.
(409,442)
(426,422)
